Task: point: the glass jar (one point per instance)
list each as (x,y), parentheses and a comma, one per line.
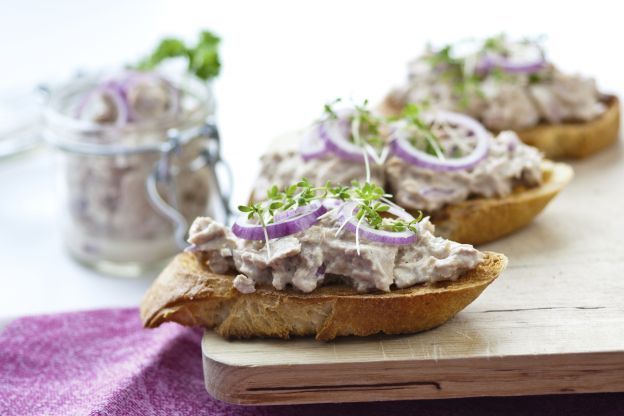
(129,192)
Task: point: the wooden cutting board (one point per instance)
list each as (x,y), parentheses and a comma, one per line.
(552,323)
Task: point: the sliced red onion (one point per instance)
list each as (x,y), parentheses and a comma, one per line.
(292,224)
(284,215)
(513,144)
(433,190)
(349,212)
(108,89)
(335,134)
(401,146)
(312,146)
(193,248)
(522,59)
(331,203)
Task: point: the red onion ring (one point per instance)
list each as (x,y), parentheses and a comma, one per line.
(349,212)
(401,147)
(193,248)
(312,146)
(111,90)
(297,222)
(437,190)
(335,136)
(284,215)
(515,64)
(331,203)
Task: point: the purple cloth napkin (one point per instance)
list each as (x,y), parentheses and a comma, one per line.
(103,363)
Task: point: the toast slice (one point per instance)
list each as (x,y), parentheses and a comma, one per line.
(563,140)
(576,139)
(481,220)
(187,292)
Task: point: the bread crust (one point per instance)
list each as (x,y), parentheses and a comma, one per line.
(561,140)
(481,220)
(187,292)
(576,139)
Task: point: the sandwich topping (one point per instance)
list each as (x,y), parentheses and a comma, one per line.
(505,84)
(427,158)
(305,236)
(494,172)
(344,145)
(131,97)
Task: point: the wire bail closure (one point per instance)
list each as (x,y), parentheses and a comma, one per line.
(162,175)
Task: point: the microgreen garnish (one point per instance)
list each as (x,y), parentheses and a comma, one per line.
(462,74)
(495,43)
(329,109)
(411,114)
(465,84)
(369,131)
(202,58)
(370,200)
(365,131)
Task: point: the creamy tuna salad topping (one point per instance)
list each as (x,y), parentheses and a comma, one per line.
(430,159)
(347,143)
(131,97)
(505,84)
(504,164)
(327,253)
(280,167)
(304,236)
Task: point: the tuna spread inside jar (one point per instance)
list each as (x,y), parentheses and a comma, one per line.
(112,130)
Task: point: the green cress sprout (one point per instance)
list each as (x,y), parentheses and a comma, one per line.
(370,199)
(369,131)
(465,84)
(202,58)
(366,131)
(411,114)
(461,74)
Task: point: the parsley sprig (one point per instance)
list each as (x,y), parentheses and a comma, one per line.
(202,58)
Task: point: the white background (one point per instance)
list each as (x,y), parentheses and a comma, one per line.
(281,62)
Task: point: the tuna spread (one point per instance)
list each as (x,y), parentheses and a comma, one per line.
(280,167)
(110,216)
(316,256)
(509,163)
(517,99)
(342,147)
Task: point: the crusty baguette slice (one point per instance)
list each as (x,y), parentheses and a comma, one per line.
(188,293)
(564,140)
(481,220)
(576,140)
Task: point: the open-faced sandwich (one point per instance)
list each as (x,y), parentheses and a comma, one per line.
(325,260)
(510,85)
(475,186)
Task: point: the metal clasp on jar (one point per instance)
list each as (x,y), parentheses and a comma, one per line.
(210,157)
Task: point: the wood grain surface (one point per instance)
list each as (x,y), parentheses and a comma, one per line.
(552,323)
